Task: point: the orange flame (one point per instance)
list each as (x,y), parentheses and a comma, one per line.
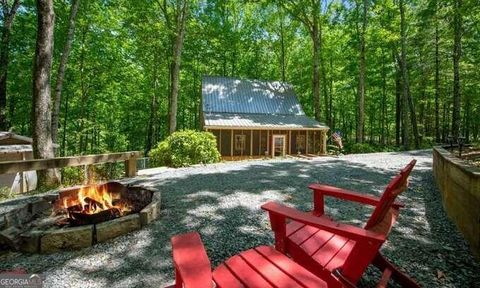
(94,199)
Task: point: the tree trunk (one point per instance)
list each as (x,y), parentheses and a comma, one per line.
(361,78)
(41,108)
(316,39)
(384,101)
(65,120)
(407,99)
(153,109)
(282,49)
(177,54)
(398,106)
(437,83)
(331,118)
(457,53)
(61,69)
(8,15)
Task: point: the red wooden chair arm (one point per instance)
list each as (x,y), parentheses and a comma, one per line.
(192,266)
(320,190)
(279,213)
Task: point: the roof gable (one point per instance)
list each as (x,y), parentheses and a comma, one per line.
(10,138)
(230,95)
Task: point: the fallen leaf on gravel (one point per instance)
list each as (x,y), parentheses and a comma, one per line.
(440,274)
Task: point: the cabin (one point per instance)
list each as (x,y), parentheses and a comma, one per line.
(253,118)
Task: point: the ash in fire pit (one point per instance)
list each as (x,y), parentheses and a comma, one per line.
(98,203)
(78,217)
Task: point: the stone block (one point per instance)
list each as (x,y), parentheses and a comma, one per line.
(151,211)
(30,241)
(116,227)
(66,239)
(18,216)
(3,223)
(39,206)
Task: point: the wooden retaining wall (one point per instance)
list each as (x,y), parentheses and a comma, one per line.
(459,185)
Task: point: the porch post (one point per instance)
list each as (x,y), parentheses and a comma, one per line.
(251,142)
(324,142)
(306,142)
(220,141)
(268,142)
(22,176)
(231,144)
(289,142)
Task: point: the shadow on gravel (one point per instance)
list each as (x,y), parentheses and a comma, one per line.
(222,202)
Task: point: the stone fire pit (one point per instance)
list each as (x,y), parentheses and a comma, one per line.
(51,222)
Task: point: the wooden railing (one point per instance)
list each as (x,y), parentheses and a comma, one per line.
(130,159)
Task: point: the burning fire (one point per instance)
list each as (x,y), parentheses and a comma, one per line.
(95,199)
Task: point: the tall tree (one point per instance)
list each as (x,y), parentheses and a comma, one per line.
(41,108)
(182,14)
(361,73)
(398,104)
(457,54)
(308,13)
(437,77)
(407,98)
(7,16)
(62,66)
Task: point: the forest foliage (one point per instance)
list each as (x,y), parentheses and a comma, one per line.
(117,88)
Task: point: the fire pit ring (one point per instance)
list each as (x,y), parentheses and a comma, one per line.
(42,227)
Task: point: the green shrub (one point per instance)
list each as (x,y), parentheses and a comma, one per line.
(73,176)
(185,148)
(359,148)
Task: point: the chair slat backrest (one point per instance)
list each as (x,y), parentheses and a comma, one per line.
(398,184)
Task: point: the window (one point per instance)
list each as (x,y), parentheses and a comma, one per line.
(300,142)
(240,142)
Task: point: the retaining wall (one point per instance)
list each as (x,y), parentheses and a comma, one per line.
(459,185)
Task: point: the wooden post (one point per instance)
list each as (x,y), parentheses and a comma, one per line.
(314,134)
(268,142)
(220,142)
(85,174)
(251,142)
(22,177)
(244,144)
(231,144)
(324,142)
(131,167)
(260,143)
(306,142)
(289,142)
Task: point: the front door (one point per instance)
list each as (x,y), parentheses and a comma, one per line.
(278,145)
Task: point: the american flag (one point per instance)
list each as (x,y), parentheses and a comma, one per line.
(337,138)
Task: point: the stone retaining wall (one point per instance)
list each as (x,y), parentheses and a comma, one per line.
(459,185)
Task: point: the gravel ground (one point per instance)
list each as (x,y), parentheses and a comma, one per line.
(222,202)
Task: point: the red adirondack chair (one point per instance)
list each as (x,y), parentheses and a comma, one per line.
(336,252)
(261,267)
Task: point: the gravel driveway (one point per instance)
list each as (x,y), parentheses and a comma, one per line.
(222,202)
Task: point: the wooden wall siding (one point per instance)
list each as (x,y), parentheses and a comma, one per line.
(293,146)
(263,142)
(246,151)
(324,137)
(257,142)
(217,133)
(226,137)
(317,142)
(459,185)
(310,147)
